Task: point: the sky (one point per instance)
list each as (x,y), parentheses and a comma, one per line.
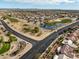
(41,4)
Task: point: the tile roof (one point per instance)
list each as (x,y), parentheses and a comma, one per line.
(67,50)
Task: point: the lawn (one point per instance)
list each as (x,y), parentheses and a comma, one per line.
(66,21)
(55,22)
(4,48)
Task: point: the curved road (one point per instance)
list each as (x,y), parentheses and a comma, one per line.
(39,47)
(18,34)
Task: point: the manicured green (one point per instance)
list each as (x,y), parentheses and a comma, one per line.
(66,21)
(4,48)
(62,21)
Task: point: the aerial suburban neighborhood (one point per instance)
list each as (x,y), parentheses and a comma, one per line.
(39,34)
(39,29)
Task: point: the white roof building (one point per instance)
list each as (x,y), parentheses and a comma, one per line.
(55,57)
(70,42)
(58,49)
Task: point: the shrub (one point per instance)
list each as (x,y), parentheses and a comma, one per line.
(35,30)
(1,38)
(8,34)
(26,29)
(12,38)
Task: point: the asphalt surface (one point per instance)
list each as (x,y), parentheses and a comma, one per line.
(38,47)
(18,34)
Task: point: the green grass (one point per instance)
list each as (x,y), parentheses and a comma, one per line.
(4,48)
(66,21)
(62,21)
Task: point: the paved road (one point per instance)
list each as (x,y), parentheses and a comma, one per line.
(42,45)
(36,47)
(39,47)
(18,34)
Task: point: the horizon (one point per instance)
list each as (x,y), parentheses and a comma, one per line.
(39,9)
(40,4)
